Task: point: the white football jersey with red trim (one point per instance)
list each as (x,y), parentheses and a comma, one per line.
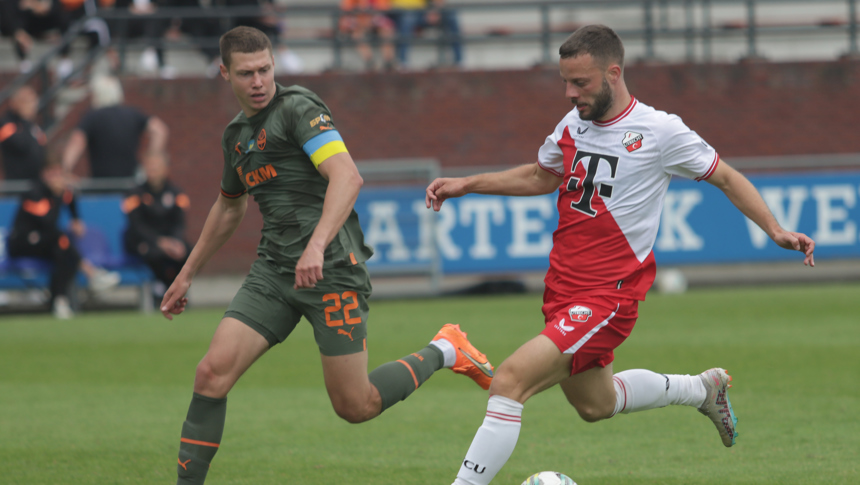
(615,176)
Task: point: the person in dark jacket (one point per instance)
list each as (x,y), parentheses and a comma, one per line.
(112,132)
(36,234)
(22,142)
(156,222)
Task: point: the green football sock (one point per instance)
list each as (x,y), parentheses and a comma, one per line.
(396,380)
(201,436)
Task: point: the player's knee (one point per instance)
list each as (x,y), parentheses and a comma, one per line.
(204,373)
(506,383)
(593,414)
(208,382)
(352,413)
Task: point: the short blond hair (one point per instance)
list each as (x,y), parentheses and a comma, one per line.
(105,91)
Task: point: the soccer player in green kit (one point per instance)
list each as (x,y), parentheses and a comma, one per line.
(283,148)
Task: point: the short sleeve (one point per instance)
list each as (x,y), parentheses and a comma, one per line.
(684,152)
(86,122)
(141,119)
(231,184)
(314,130)
(550,156)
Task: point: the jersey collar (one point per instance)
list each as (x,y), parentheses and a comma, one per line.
(620,117)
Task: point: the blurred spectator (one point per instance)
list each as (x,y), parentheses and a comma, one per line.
(271,24)
(146,26)
(112,132)
(79,9)
(26,20)
(22,142)
(269,21)
(156,223)
(209,28)
(360,25)
(410,15)
(35,233)
(286,61)
(95,28)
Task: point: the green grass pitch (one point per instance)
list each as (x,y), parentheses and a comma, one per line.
(101,399)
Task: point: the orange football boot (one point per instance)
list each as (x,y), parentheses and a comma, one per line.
(470,361)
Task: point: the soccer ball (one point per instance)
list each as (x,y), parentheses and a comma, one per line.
(549,478)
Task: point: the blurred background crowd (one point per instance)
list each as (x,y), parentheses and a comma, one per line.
(153,25)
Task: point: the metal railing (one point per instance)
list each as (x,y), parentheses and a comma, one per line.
(86,185)
(50,88)
(692,32)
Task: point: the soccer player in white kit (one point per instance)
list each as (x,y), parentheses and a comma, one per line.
(610,159)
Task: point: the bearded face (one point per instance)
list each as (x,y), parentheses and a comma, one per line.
(596,109)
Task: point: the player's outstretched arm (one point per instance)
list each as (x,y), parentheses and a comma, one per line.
(223,220)
(522,181)
(745,197)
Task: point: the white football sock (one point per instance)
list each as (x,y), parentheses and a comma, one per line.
(449,352)
(493,443)
(640,389)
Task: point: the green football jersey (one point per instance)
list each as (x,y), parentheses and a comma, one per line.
(274,156)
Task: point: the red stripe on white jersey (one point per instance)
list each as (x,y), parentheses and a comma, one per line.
(554,172)
(620,117)
(504,417)
(711,169)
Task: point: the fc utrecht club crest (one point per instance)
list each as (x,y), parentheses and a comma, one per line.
(579,313)
(632,141)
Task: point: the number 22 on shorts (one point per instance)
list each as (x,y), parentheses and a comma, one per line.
(336,306)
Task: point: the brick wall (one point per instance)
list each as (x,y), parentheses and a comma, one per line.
(502,117)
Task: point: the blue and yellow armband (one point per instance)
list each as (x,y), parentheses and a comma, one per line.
(324,145)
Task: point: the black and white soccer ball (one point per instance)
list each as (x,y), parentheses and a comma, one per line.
(549,478)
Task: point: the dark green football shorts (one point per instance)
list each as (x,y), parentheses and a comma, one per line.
(337,308)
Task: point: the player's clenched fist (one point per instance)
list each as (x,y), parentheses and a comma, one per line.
(309,268)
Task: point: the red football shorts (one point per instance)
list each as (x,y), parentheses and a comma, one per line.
(590,327)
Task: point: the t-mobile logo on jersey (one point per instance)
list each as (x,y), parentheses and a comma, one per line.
(591,162)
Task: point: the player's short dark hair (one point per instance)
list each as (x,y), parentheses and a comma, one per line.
(242,39)
(599,41)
